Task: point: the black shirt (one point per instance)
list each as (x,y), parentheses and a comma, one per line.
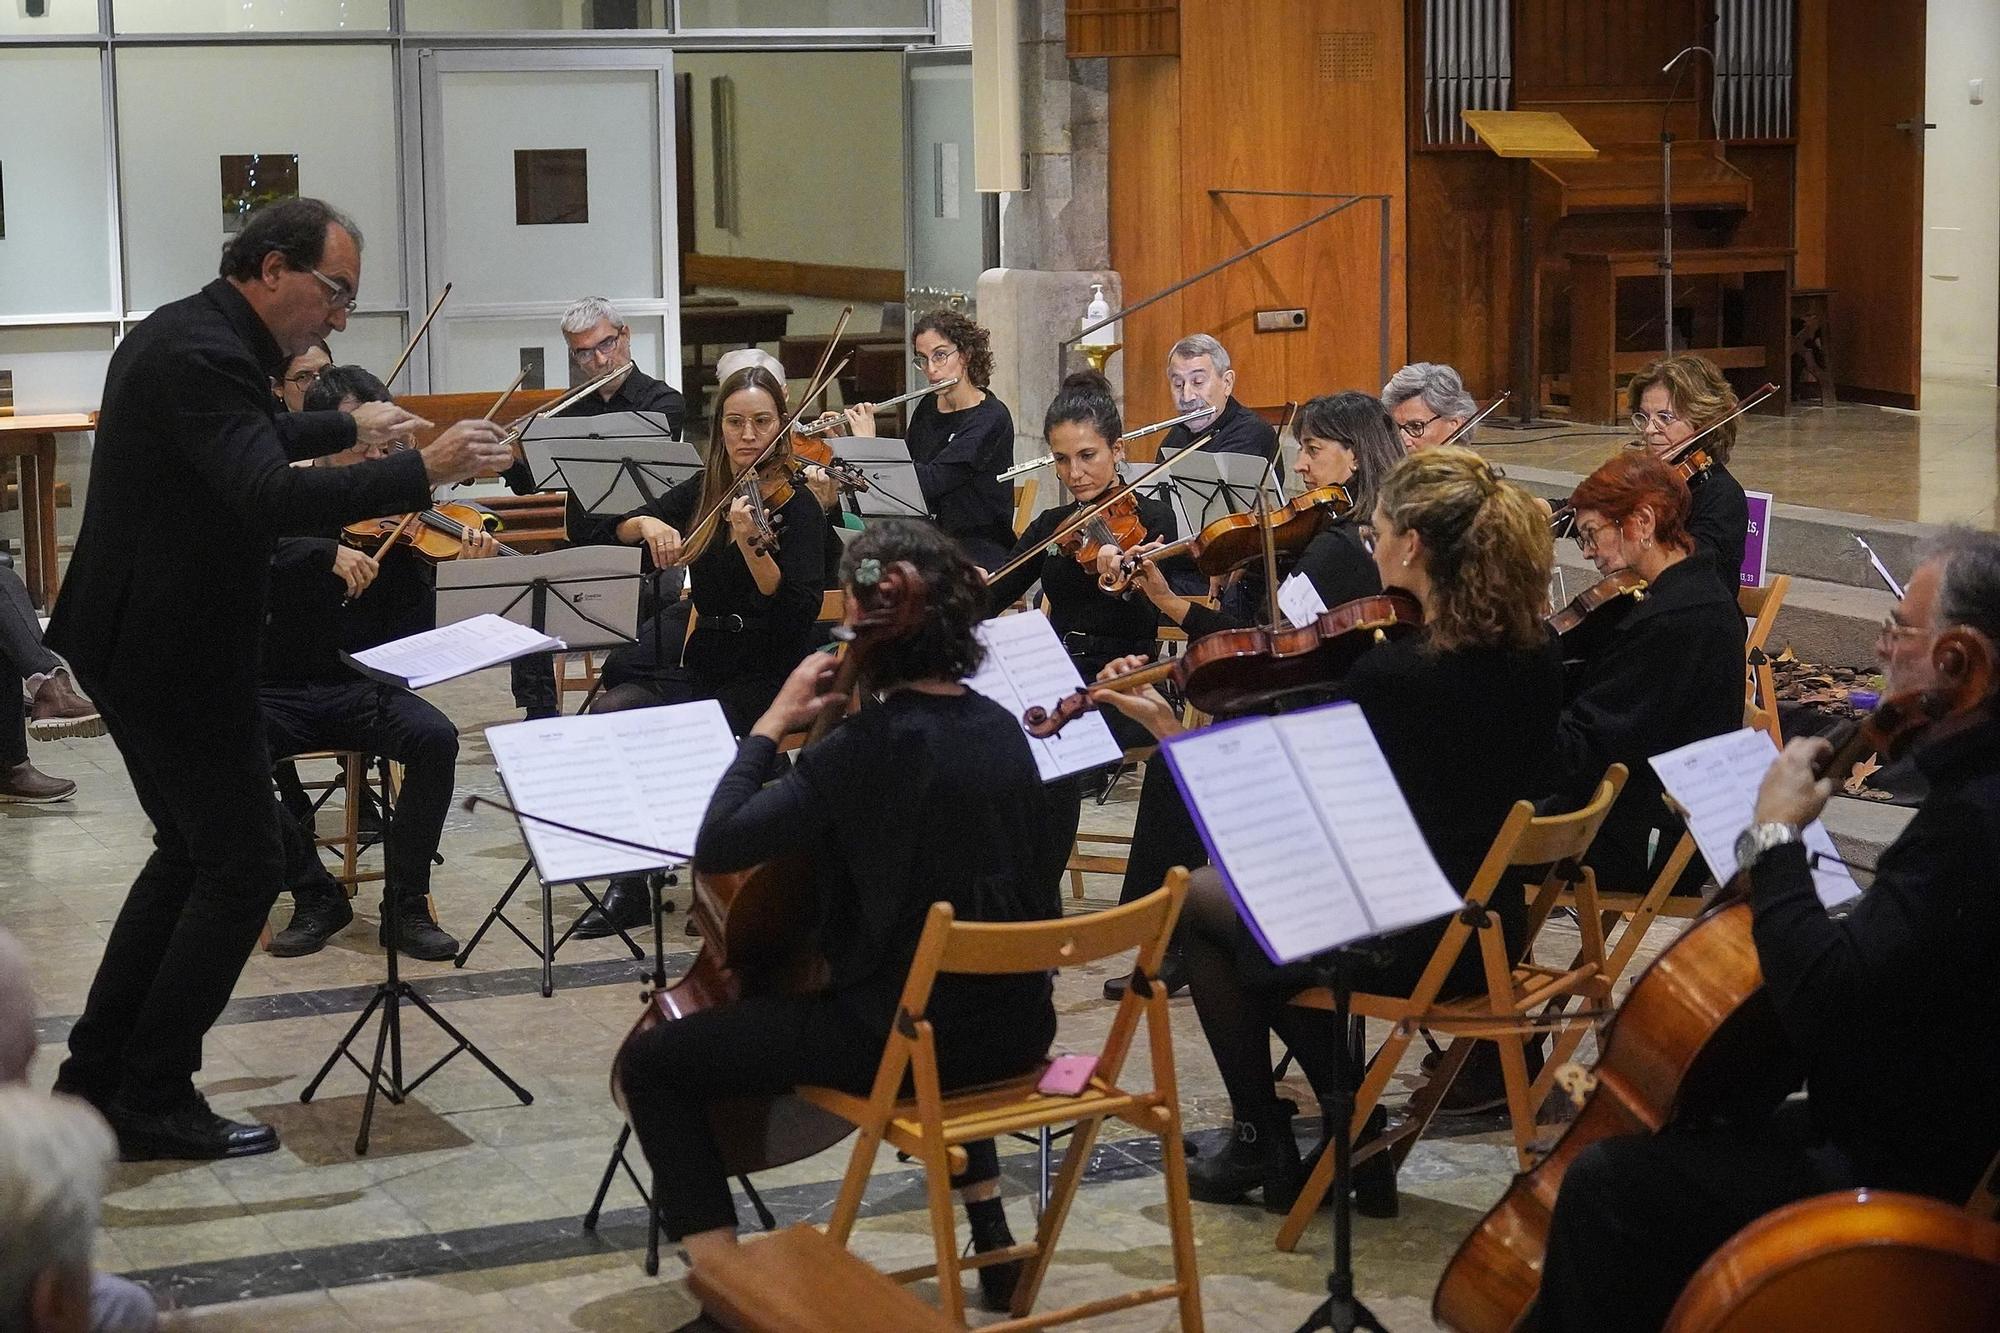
(310,622)
(1076,604)
(1237,430)
(190,486)
(1668,673)
(1719,521)
(920,798)
(740,631)
(1337,564)
(1895,1009)
(959,457)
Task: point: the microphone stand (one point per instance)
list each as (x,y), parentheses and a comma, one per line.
(1667,188)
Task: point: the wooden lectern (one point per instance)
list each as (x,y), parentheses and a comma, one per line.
(1523,138)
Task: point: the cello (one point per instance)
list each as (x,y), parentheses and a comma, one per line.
(757,924)
(1695,1024)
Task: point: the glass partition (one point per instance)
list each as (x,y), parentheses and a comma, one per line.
(55,214)
(533,15)
(138,16)
(58,18)
(805,14)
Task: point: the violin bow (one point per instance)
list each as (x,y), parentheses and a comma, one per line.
(411,346)
(395,535)
(574,396)
(1686,447)
(501,401)
(1103,502)
(1270,544)
(1477,417)
(826,353)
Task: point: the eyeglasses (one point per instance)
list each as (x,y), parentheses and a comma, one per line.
(1586,537)
(938,357)
(762,422)
(338,294)
(1415,429)
(603,347)
(1665,419)
(304,379)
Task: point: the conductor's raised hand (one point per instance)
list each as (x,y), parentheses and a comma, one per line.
(803,697)
(466,449)
(384,423)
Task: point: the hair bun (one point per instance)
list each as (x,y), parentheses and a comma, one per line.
(1086,381)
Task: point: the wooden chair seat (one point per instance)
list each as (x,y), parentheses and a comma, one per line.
(798,1281)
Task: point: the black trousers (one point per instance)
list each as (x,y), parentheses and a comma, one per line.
(191,919)
(1163,835)
(376,719)
(772,1044)
(1065,797)
(23,653)
(1638,1215)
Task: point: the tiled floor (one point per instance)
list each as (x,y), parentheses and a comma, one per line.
(466,1210)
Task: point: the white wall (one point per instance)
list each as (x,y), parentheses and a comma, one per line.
(1961,334)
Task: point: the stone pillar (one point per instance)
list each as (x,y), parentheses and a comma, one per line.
(1028,313)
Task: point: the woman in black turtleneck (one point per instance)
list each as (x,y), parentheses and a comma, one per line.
(1465,713)
(1671,400)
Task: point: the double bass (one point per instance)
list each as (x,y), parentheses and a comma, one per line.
(1695,1027)
(757,924)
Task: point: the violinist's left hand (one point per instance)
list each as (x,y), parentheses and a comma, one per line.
(1148,707)
(1110,560)
(800,699)
(476,544)
(1793,792)
(861,421)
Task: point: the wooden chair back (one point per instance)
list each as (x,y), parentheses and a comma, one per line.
(1024,503)
(1760,686)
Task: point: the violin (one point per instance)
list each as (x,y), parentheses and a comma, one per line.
(1117,524)
(1695,1026)
(757,924)
(1234,670)
(1234,540)
(814,449)
(434,534)
(1690,459)
(1616,590)
(767,487)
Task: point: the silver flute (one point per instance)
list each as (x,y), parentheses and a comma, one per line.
(1034,464)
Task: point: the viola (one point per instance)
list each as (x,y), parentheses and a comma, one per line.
(757,925)
(1117,524)
(1695,1026)
(434,534)
(1614,592)
(1234,670)
(1234,540)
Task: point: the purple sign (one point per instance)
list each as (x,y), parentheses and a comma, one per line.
(1756,544)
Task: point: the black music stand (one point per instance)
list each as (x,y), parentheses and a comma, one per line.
(582,596)
(390,995)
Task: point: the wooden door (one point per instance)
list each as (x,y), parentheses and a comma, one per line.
(1875,197)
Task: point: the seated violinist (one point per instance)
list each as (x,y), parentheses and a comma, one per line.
(1474,551)
(754,608)
(1890,1015)
(1672,400)
(328,597)
(1344,440)
(1428,402)
(928,793)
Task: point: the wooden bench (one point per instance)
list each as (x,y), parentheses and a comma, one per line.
(1596,363)
(798,1281)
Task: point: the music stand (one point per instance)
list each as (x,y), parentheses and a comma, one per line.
(612,464)
(587,596)
(1208,486)
(893,489)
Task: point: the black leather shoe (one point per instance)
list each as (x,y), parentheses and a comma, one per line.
(417,936)
(1173,971)
(1261,1156)
(626,905)
(188,1133)
(316,918)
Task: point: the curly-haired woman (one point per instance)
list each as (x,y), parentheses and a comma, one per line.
(962,438)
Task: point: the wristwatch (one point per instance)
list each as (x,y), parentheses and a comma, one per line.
(1753,843)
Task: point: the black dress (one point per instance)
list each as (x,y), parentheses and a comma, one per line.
(1669,673)
(1237,430)
(959,457)
(744,643)
(1719,521)
(921,798)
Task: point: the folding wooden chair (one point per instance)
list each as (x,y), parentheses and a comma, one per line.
(1760,688)
(933,1127)
(588,666)
(1504,1012)
(1024,503)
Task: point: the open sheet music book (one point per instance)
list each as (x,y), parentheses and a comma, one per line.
(643,775)
(1715,782)
(1025,665)
(450,651)
(1308,829)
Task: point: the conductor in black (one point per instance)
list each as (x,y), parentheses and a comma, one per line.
(161,614)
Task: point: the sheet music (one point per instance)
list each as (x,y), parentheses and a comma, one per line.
(1025,665)
(1265,836)
(1299,600)
(452,650)
(645,775)
(1715,782)
(1374,831)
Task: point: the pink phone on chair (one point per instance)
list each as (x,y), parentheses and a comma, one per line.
(1068,1075)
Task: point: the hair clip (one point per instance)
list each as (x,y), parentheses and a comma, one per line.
(867,573)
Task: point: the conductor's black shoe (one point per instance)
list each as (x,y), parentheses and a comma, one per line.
(1173,971)
(188,1133)
(627,906)
(316,918)
(417,936)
